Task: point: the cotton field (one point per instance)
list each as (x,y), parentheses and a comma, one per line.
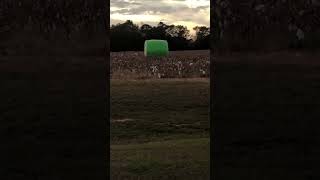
(177,65)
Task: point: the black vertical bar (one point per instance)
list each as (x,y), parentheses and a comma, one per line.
(108,119)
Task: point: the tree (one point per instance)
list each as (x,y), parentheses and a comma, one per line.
(126,36)
(178,37)
(202,37)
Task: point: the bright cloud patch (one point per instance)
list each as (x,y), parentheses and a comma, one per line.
(189,13)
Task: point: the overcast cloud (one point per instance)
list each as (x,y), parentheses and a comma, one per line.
(189,13)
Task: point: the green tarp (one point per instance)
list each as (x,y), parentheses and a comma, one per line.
(155,47)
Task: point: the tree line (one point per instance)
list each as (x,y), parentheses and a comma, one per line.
(128,36)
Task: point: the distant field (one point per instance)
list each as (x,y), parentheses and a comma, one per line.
(160,128)
(191,53)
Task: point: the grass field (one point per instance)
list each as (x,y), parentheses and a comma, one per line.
(260,102)
(160,129)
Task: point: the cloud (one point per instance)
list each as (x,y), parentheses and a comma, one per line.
(124,3)
(186,12)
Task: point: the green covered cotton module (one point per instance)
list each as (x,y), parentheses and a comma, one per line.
(156,47)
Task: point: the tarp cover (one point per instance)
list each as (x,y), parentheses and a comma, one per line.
(156,47)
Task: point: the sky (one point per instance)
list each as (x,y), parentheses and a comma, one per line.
(189,13)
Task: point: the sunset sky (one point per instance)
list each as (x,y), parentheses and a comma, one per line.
(189,13)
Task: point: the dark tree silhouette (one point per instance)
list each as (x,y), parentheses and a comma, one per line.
(202,37)
(129,37)
(126,36)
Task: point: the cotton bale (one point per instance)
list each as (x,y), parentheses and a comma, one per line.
(155,47)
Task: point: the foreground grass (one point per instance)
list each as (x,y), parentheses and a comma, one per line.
(160,129)
(147,110)
(173,159)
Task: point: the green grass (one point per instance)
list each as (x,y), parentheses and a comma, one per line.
(173,158)
(159,109)
(160,129)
